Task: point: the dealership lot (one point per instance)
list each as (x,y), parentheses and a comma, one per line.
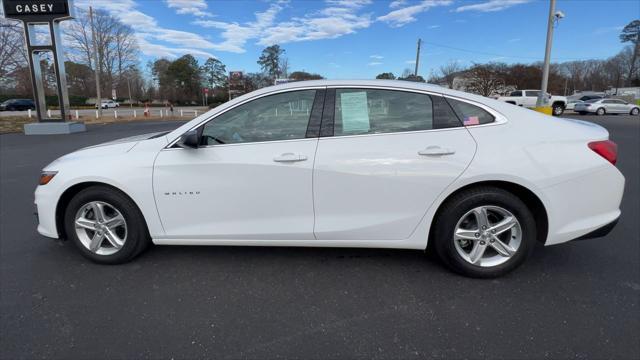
(575,300)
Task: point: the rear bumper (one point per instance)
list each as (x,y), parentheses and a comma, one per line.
(600,232)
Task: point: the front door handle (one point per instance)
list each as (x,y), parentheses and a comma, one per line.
(436,151)
(289,157)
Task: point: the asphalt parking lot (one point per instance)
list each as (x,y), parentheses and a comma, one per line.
(577,300)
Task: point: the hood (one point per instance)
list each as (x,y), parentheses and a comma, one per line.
(130,139)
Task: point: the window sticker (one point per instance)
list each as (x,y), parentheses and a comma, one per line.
(355,113)
(471,120)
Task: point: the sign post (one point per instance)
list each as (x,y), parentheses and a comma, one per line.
(49,13)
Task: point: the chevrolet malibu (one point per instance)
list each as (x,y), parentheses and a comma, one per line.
(377,164)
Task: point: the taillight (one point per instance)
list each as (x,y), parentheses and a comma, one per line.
(607,149)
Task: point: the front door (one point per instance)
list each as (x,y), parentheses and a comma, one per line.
(391,154)
(250,179)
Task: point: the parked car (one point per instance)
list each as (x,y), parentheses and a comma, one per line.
(17,105)
(108,104)
(590,97)
(572,103)
(529,98)
(606,106)
(381,164)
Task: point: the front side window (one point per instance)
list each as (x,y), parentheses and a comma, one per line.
(471,114)
(369,111)
(276,117)
(533,93)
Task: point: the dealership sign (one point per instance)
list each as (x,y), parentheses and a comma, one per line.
(37,10)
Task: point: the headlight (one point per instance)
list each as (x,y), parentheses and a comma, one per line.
(47,176)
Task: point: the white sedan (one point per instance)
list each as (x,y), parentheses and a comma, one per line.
(379,164)
(606,106)
(108,104)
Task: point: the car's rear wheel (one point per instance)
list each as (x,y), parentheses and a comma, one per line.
(105,225)
(601,111)
(484,232)
(635,111)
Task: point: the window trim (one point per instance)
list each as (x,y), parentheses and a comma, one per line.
(199,126)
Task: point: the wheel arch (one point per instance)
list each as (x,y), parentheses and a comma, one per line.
(72,191)
(531,200)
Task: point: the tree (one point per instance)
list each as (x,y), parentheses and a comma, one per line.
(449,71)
(303,75)
(386,76)
(117,47)
(483,79)
(255,81)
(214,73)
(13,56)
(269,60)
(185,73)
(284,68)
(631,33)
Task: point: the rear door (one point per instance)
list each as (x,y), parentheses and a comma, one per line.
(382,159)
(531,98)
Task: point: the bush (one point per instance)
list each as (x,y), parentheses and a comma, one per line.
(51,100)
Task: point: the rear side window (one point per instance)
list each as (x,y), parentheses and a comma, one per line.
(516,93)
(370,111)
(471,114)
(533,93)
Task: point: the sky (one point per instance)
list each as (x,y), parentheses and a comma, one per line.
(358,39)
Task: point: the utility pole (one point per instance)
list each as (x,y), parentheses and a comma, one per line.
(415,73)
(547,52)
(96,60)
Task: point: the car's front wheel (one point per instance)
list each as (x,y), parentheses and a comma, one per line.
(484,232)
(601,111)
(105,225)
(635,111)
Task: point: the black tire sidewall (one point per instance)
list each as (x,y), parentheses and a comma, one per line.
(559,113)
(137,234)
(464,202)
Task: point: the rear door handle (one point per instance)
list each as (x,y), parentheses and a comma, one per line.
(289,157)
(436,151)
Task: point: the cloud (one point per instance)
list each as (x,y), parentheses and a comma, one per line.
(434,26)
(377,57)
(339,18)
(406,15)
(374,63)
(189,7)
(397,3)
(491,5)
(410,62)
(514,40)
(607,29)
(148,32)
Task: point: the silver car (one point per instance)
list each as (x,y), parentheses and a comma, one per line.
(606,106)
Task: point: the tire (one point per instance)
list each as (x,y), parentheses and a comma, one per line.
(134,231)
(491,264)
(601,111)
(634,111)
(557,109)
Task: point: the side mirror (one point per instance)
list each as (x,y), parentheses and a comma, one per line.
(189,140)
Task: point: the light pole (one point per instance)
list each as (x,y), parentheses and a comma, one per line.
(553,17)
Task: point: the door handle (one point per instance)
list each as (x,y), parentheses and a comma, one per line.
(289,157)
(436,151)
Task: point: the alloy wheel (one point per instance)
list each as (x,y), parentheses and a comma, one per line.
(487,236)
(101,228)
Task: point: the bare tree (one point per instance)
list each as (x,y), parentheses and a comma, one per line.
(449,71)
(483,79)
(117,47)
(13,54)
(631,34)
